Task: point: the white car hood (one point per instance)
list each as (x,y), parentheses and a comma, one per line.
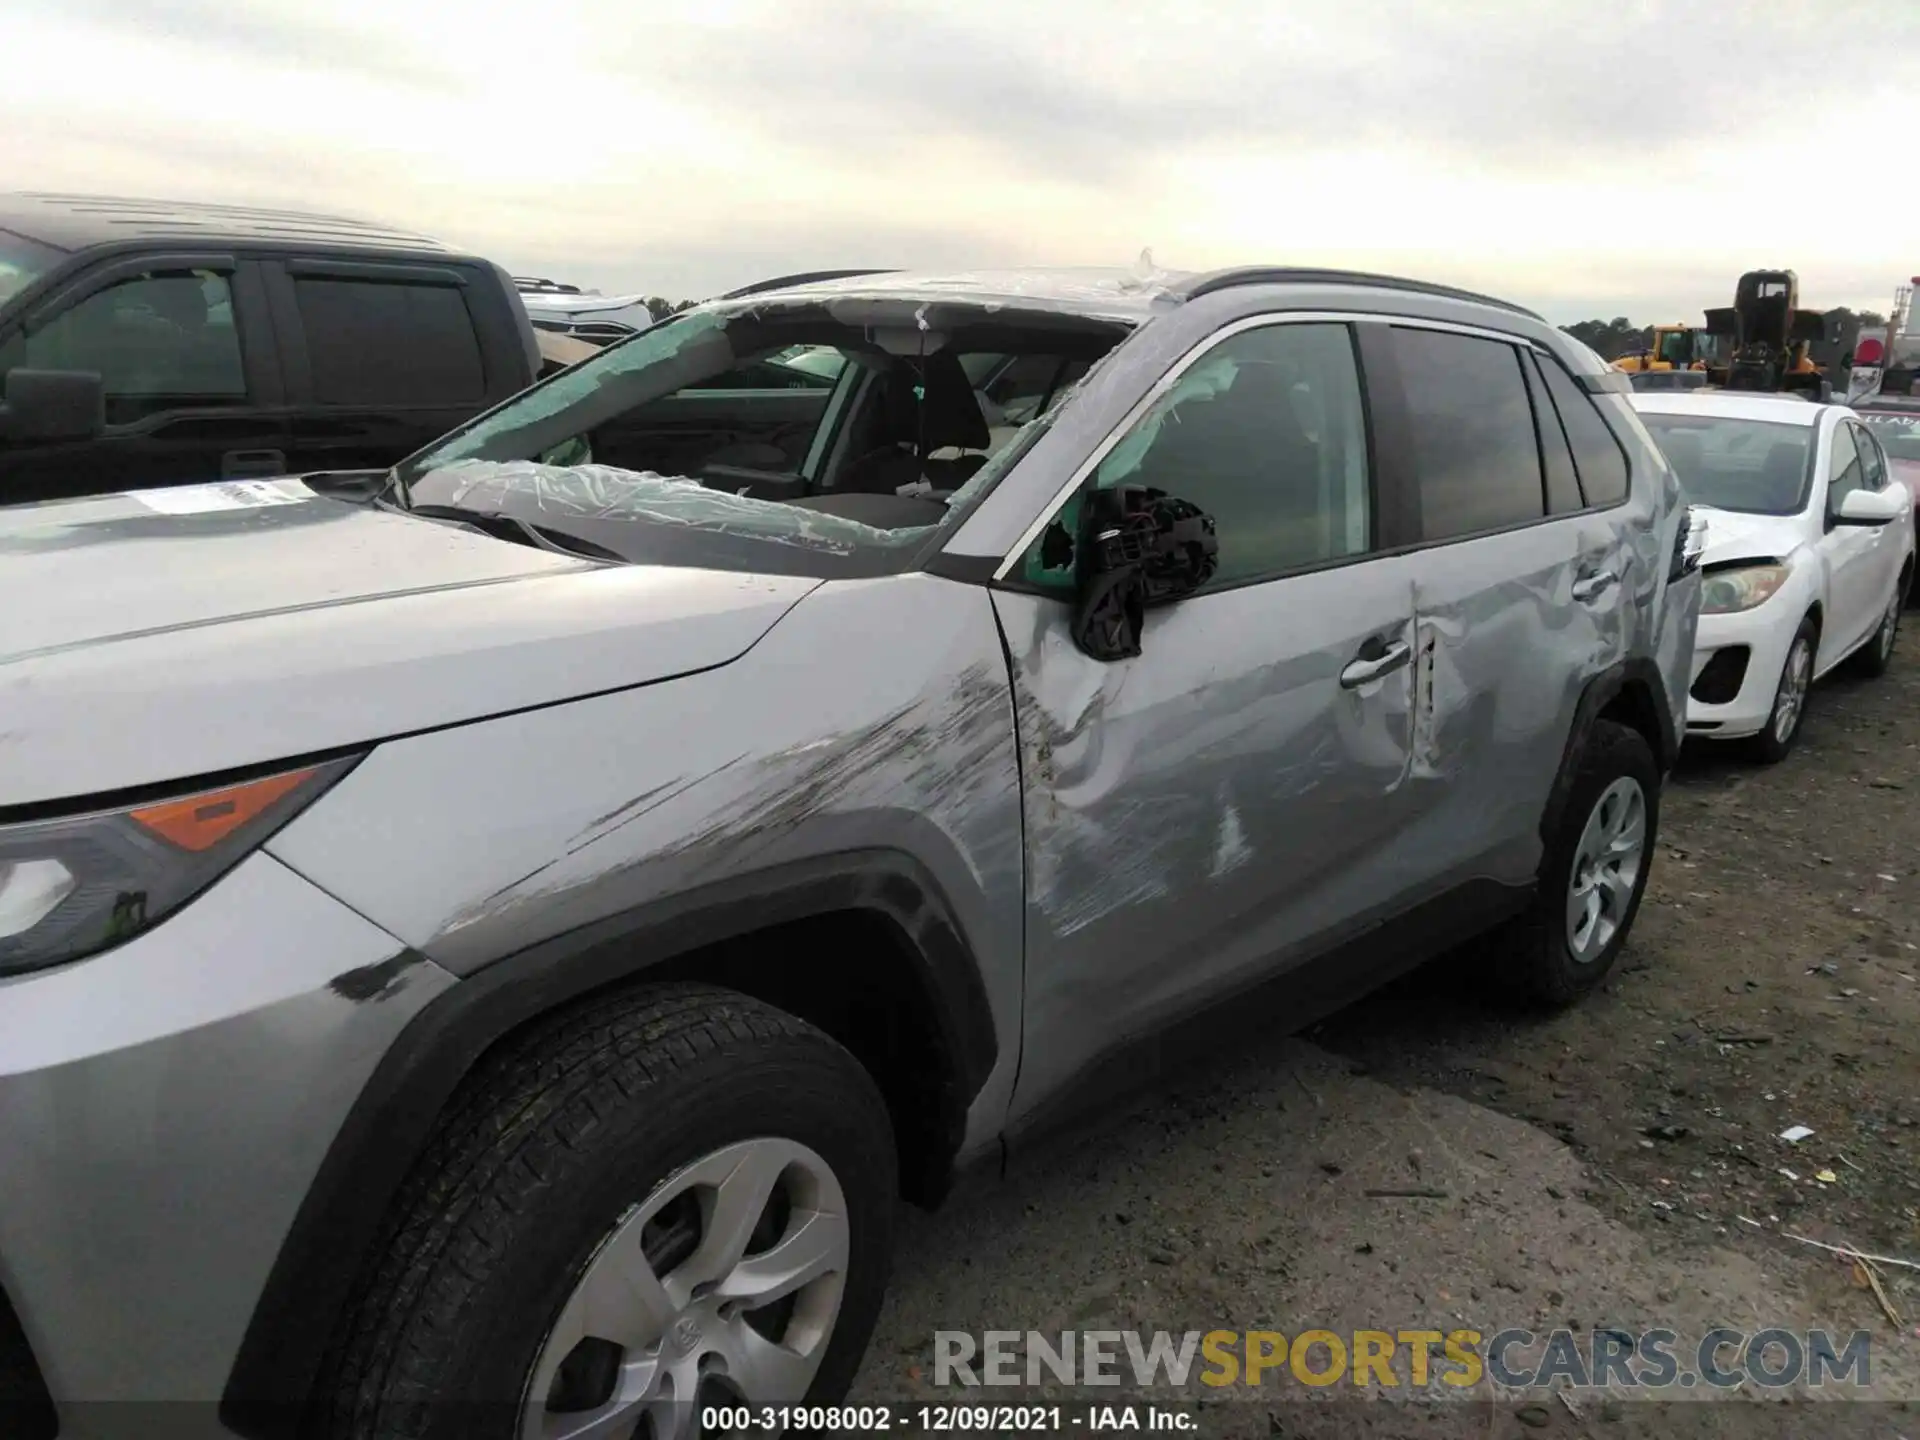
(1732,535)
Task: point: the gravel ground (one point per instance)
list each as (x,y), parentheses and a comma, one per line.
(1616,1165)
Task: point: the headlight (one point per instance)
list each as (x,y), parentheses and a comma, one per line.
(73,886)
(1728,591)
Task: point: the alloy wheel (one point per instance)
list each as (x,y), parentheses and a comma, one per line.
(720,1289)
(1792,696)
(1606,869)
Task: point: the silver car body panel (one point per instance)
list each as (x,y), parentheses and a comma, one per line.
(894,730)
(357,625)
(163,1109)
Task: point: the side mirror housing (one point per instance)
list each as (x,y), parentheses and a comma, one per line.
(1137,548)
(53,405)
(1872,507)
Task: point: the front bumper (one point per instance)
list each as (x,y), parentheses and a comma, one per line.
(1732,711)
(163,1109)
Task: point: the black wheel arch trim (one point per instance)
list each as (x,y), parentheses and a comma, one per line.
(1639,673)
(320,1261)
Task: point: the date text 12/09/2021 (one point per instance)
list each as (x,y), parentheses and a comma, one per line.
(934,1419)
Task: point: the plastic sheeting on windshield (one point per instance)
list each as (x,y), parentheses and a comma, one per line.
(603,492)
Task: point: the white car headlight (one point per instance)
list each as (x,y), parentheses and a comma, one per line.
(1728,592)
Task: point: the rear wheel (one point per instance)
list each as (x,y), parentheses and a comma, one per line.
(658,1203)
(1875,658)
(1593,875)
(1775,741)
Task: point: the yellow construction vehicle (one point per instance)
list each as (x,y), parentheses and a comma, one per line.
(1675,347)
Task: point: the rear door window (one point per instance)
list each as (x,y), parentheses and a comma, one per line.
(1472,433)
(160,341)
(1556,456)
(388,343)
(1597,455)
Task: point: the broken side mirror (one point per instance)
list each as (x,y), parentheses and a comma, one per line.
(53,405)
(1137,548)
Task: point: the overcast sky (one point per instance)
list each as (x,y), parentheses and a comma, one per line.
(1630,157)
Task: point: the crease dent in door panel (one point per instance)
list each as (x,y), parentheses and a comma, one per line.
(1267,729)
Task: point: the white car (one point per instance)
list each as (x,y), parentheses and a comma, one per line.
(1809,553)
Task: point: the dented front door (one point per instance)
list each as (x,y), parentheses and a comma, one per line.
(1199,814)
(1215,808)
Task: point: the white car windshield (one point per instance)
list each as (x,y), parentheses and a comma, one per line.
(1758,467)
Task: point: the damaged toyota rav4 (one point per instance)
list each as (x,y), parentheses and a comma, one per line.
(485,947)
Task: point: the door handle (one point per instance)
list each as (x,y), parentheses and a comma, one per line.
(252,464)
(1588,587)
(1360,672)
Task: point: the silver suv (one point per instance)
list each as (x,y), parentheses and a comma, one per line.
(485,946)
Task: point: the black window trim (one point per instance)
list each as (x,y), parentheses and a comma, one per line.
(1005,571)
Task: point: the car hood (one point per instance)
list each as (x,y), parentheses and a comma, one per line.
(1732,535)
(164,635)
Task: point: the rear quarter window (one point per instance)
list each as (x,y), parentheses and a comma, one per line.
(376,342)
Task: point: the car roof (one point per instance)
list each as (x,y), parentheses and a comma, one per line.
(1130,296)
(80,222)
(1733,405)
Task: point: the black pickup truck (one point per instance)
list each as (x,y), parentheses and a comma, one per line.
(147,344)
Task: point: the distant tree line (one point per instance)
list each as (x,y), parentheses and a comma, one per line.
(660,309)
(1620,336)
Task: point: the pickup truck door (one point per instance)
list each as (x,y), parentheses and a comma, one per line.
(382,358)
(193,386)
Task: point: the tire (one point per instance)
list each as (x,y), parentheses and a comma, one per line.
(544,1172)
(1539,962)
(1875,658)
(1772,744)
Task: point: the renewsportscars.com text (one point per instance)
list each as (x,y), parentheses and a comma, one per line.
(1415,1359)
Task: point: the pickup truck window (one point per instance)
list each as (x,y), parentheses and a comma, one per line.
(22,261)
(385,343)
(160,341)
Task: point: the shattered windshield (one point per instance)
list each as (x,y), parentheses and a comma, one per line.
(672,447)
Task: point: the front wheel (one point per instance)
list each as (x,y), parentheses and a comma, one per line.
(1875,658)
(1593,875)
(1775,741)
(654,1207)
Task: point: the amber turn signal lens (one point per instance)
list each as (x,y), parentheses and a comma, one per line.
(202,821)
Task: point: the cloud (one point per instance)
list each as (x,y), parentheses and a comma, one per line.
(1625,158)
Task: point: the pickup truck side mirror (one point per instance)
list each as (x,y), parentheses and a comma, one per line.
(53,405)
(1872,507)
(1138,548)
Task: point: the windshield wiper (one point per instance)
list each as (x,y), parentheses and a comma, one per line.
(507,527)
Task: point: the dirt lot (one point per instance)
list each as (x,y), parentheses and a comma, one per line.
(1618,1165)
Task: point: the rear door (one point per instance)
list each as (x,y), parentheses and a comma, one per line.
(382,358)
(186,354)
(1524,584)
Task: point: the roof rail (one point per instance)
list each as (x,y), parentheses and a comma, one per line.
(1283,275)
(806,277)
(548,287)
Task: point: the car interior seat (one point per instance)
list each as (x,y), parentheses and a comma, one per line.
(925,405)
